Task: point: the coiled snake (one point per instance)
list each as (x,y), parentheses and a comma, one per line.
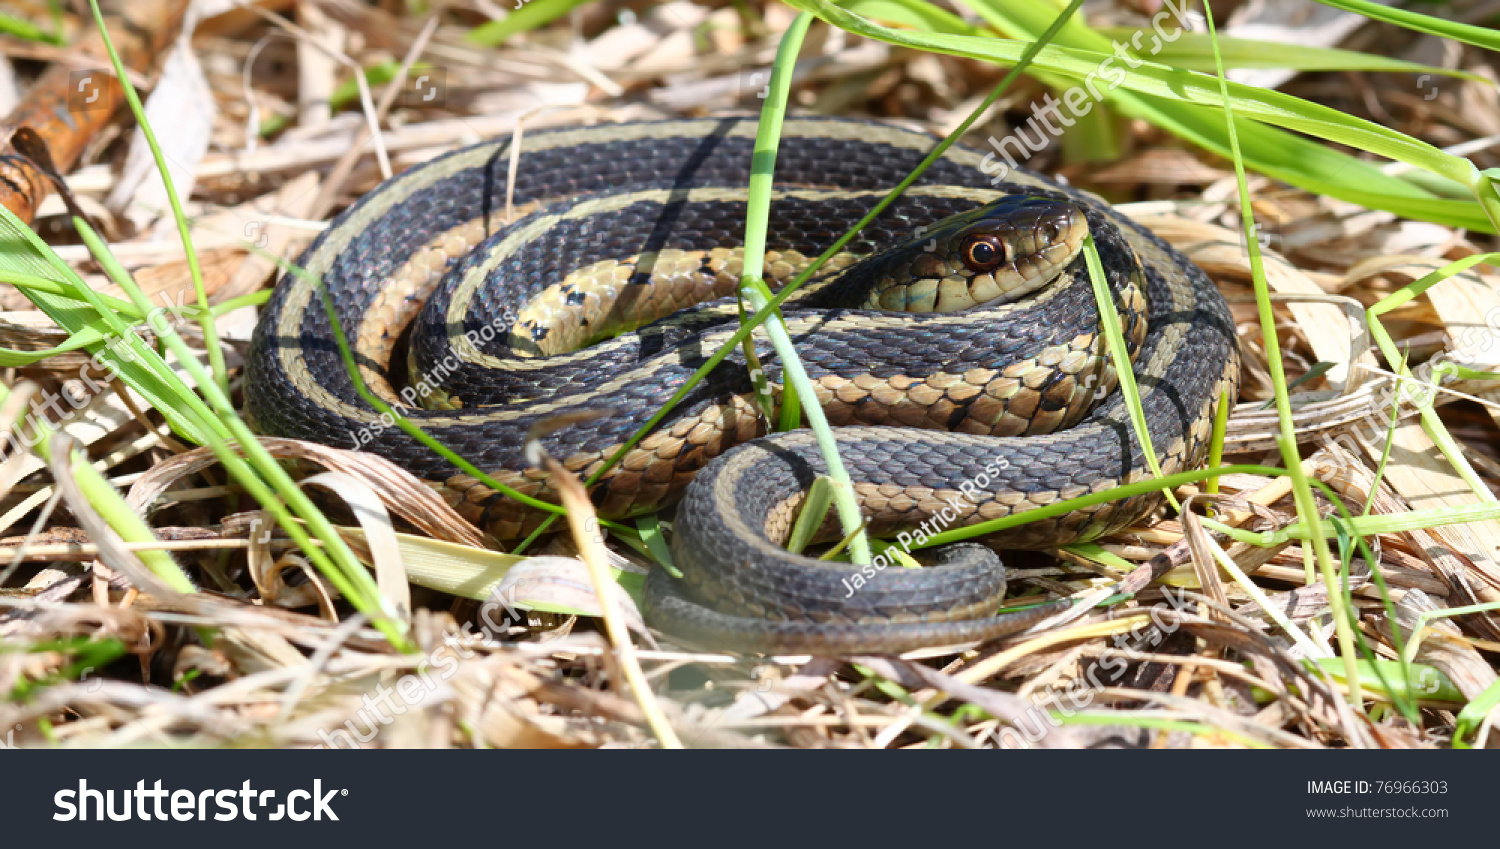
(961,357)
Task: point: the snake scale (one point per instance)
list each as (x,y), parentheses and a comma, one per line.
(955,344)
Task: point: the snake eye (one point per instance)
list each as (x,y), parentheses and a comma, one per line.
(983,253)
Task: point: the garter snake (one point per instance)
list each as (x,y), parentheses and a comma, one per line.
(945,417)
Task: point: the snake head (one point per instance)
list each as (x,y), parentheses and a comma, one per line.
(993,254)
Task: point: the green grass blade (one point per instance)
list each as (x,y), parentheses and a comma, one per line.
(1428,684)
(761,314)
(1484,37)
(1080,65)
(650,530)
(82,311)
(1307,507)
(1194,51)
(347,92)
(1109,320)
(31,32)
(1187,104)
(1216,440)
(214,419)
(1162,484)
(110,505)
(1432,424)
(535,14)
(1473,715)
(220,374)
(810,517)
(754,291)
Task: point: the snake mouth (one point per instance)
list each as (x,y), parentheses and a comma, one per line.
(995,254)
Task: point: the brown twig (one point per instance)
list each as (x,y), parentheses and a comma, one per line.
(67,107)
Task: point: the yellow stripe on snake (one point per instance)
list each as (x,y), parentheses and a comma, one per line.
(955,344)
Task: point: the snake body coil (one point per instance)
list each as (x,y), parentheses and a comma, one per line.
(1008,404)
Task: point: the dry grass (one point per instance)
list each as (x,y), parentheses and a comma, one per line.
(94,658)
